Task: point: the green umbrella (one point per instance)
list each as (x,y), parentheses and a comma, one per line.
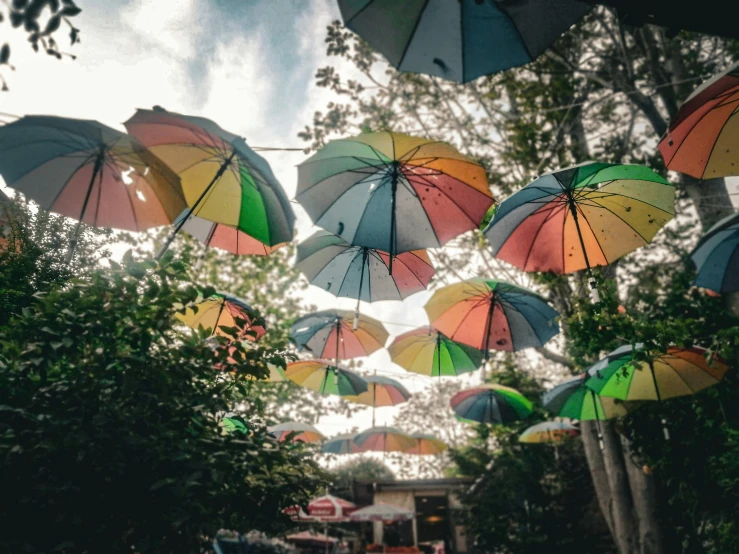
(326,378)
(430,352)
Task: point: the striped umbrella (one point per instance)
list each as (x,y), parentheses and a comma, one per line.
(717,257)
(224,237)
(393,192)
(381,391)
(87,171)
(463,40)
(491,404)
(426,444)
(702,138)
(383,439)
(486,314)
(549,432)
(580,217)
(340,444)
(326,378)
(300,432)
(224,180)
(331,334)
(429,352)
(224,310)
(573,400)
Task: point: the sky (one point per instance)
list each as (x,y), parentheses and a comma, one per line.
(246,64)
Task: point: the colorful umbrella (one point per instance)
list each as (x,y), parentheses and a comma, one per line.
(426,444)
(702,139)
(224,181)
(381,391)
(300,432)
(461,40)
(429,352)
(383,439)
(382,512)
(324,509)
(486,314)
(393,192)
(717,257)
(580,217)
(491,404)
(573,400)
(326,378)
(549,432)
(677,372)
(223,310)
(331,334)
(224,237)
(349,271)
(85,170)
(231,424)
(340,444)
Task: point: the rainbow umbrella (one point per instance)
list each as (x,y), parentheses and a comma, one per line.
(326,378)
(383,439)
(331,334)
(702,138)
(340,444)
(87,171)
(426,444)
(580,217)
(429,352)
(223,310)
(381,391)
(486,314)
(549,432)
(300,432)
(462,40)
(224,180)
(717,257)
(573,400)
(677,372)
(491,404)
(393,192)
(224,237)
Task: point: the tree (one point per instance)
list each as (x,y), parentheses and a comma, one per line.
(362,467)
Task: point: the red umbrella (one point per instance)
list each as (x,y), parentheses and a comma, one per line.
(323,509)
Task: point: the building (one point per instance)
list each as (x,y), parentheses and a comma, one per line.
(435,502)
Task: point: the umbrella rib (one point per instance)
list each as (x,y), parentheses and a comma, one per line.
(430,184)
(552,212)
(593,199)
(620,218)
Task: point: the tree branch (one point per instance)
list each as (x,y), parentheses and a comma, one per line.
(556,358)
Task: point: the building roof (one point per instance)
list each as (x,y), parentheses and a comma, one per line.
(364,489)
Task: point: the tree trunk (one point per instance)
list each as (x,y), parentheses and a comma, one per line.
(589,434)
(710,198)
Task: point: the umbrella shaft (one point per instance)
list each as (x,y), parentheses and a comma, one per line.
(75,236)
(393,231)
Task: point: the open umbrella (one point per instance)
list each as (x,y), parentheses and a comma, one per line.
(382,512)
(491,404)
(580,217)
(224,310)
(549,432)
(340,444)
(383,439)
(381,391)
(393,192)
(332,334)
(87,171)
(325,378)
(486,314)
(429,352)
(461,40)
(329,262)
(324,509)
(702,138)
(224,237)
(573,400)
(301,432)
(224,180)
(426,444)
(717,257)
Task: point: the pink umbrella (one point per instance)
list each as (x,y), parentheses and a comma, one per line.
(225,237)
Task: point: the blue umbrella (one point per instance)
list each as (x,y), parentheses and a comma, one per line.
(340,444)
(717,257)
(460,40)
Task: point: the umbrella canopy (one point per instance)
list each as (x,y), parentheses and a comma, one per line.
(429,352)
(329,262)
(87,171)
(549,432)
(325,378)
(426,444)
(486,314)
(677,372)
(393,192)
(702,139)
(224,181)
(382,391)
(573,400)
(324,509)
(309,537)
(491,404)
(301,432)
(383,439)
(580,217)
(340,444)
(717,257)
(232,424)
(224,237)
(462,40)
(331,334)
(223,310)
(382,512)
